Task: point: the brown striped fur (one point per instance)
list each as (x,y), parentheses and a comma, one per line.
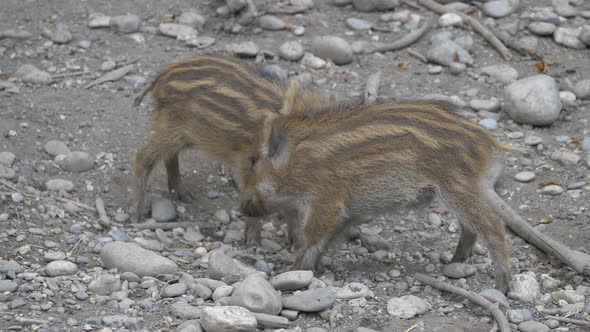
(216,104)
(335,168)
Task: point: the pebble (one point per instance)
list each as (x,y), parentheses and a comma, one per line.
(106,66)
(445,52)
(203,291)
(358,24)
(192,19)
(163,209)
(500,8)
(178,31)
(312,300)
(332,48)
(221,265)
(59,185)
(76,161)
(81,296)
(582,89)
(502,73)
(568,37)
(17,197)
(456,68)
(525,176)
(374,5)
(449,20)
(487,105)
(105,284)
(257,295)
(533,100)
(353,290)
(61,35)
(270,22)
(174,290)
(552,190)
(8,286)
(125,23)
(563,8)
(98,20)
(407,306)
(533,140)
(488,123)
(532,326)
(291,50)
(85,44)
(542,28)
(228,319)
(221,292)
(192,325)
(10,267)
(585,35)
(495,296)
(184,310)
(55,148)
(7,172)
(31,74)
(245,49)
(459,270)
(566,158)
(525,287)
(7,158)
(222,216)
(130,257)
(567,98)
(434,70)
(434,219)
(292,280)
(517,316)
(148,244)
(235,6)
(60,268)
(311,61)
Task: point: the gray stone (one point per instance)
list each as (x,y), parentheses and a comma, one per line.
(270,22)
(488,123)
(184,310)
(60,268)
(563,8)
(568,37)
(193,325)
(449,20)
(174,290)
(245,49)
(235,6)
(500,8)
(446,52)
(517,316)
(55,148)
(221,292)
(495,296)
(552,190)
(332,48)
(532,326)
(8,286)
(130,257)
(178,31)
(358,23)
(81,296)
(222,216)
(76,161)
(148,244)
(459,270)
(31,74)
(582,89)
(542,28)
(311,61)
(192,19)
(584,36)
(566,158)
(292,280)
(487,105)
(10,266)
(525,287)
(98,20)
(125,23)
(374,5)
(233,236)
(502,73)
(407,306)
(105,284)
(202,291)
(257,295)
(354,290)
(221,265)
(107,66)
(59,185)
(132,82)
(163,209)
(312,300)
(525,176)
(7,172)
(533,100)
(85,44)
(228,319)
(567,98)
(61,35)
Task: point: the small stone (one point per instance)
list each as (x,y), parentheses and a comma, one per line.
(374,5)
(569,37)
(10,266)
(245,49)
(358,24)
(235,6)
(130,257)
(446,52)
(203,291)
(184,310)
(132,82)
(542,28)
(299,31)
(105,284)
(567,98)
(55,148)
(434,219)
(178,31)
(582,89)
(292,280)
(81,296)
(7,158)
(193,325)
(7,172)
(407,306)
(495,296)
(311,61)
(60,268)
(98,20)
(552,190)
(85,44)
(500,8)
(192,19)
(434,70)
(332,48)
(525,176)
(222,216)
(585,35)
(565,157)
(563,8)
(312,300)
(532,326)
(76,161)
(487,105)
(221,265)
(8,286)
(533,140)
(570,296)
(488,123)
(106,66)
(163,209)
(552,323)
(228,319)
(31,74)
(257,295)
(17,197)
(59,185)
(270,22)
(153,245)
(502,73)
(221,292)
(61,35)
(456,68)
(449,20)
(533,100)
(263,266)
(525,287)
(353,290)
(126,23)
(517,316)
(174,290)
(292,51)
(459,270)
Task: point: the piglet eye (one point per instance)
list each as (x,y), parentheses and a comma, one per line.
(253,160)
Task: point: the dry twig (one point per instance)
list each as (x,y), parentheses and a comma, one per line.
(163,225)
(403,42)
(102,214)
(473,297)
(417,55)
(570,320)
(77,73)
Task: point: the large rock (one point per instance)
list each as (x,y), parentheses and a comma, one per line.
(407,306)
(228,319)
(163,209)
(332,48)
(130,257)
(60,268)
(257,295)
(533,100)
(374,5)
(312,300)
(569,37)
(221,265)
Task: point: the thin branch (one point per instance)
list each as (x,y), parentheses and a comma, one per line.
(478,27)
(569,320)
(417,55)
(403,42)
(163,225)
(77,73)
(473,297)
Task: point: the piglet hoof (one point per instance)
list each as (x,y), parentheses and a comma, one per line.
(252,232)
(185,196)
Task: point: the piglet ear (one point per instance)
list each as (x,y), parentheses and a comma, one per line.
(289,98)
(275,141)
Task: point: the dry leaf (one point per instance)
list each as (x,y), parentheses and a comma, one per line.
(547,221)
(576,141)
(542,66)
(168,19)
(456,57)
(548,183)
(4,76)
(546,261)
(402,66)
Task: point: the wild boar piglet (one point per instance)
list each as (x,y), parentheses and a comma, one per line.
(333,169)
